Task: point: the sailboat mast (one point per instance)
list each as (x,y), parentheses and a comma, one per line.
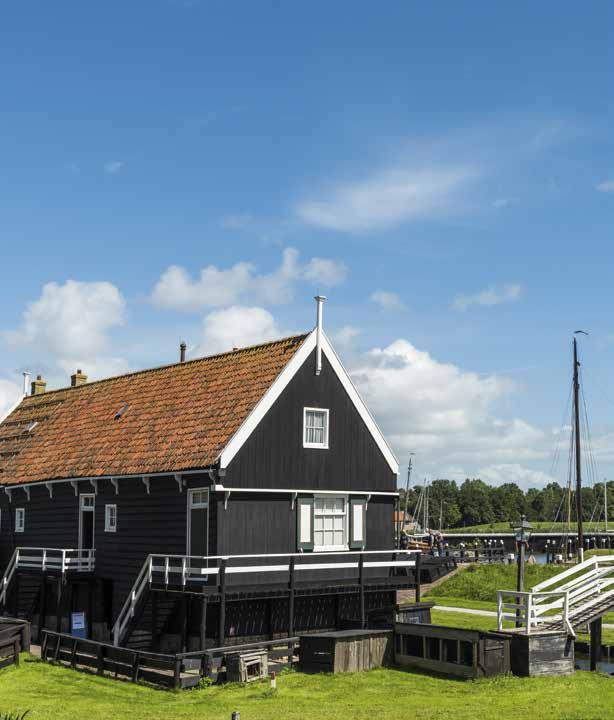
(576,403)
(407,492)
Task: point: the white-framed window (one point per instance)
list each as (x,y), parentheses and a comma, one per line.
(315,428)
(330,523)
(199,499)
(110,518)
(88,502)
(20,519)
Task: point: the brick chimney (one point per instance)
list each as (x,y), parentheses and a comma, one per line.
(78,379)
(38,386)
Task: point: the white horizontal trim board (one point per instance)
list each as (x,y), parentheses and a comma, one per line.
(282,381)
(304,491)
(189,571)
(347,553)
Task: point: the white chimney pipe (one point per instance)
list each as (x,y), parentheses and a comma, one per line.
(26,382)
(319,304)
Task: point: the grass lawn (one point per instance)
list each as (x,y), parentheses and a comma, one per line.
(54,693)
(481,582)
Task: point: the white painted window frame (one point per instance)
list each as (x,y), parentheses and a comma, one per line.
(346,529)
(109,526)
(82,509)
(326,413)
(201,506)
(20,526)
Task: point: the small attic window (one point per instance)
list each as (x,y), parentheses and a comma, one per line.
(122,411)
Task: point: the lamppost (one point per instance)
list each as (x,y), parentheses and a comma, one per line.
(523,534)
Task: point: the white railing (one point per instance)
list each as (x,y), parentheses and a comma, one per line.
(568,598)
(183,570)
(60,560)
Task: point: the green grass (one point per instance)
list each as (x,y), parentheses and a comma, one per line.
(481,582)
(486,623)
(55,693)
(591,553)
(506,527)
(451,601)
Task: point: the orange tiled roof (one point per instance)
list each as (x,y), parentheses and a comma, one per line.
(178,417)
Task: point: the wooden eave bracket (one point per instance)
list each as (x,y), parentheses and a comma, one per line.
(8,492)
(179,481)
(146,483)
(75,487)
(49,487)
(293,502)
(26,489)
(115,483)
(226,496)
(94,484)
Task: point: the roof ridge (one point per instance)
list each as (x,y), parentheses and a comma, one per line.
(158,368)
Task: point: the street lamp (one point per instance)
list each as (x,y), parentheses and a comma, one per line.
(523,534)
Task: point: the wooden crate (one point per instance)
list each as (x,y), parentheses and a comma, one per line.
(345,650)
(247,666)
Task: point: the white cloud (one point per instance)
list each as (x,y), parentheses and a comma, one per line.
(387,199)
(387,300)
(113,167)
(607,186)
(448,416)
(71,324)
(489,297)
(71,319)
(327,273)
(94,367)
(345,336)
(10,393)
(514,473)
(215,288)
(237,326)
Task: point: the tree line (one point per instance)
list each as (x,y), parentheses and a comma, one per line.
(474,502)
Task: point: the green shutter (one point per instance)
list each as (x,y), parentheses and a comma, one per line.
(304,523)
(358,524)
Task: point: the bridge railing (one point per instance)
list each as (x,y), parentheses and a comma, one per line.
(530,610)
(566,598)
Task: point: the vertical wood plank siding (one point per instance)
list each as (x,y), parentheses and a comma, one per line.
(273,456)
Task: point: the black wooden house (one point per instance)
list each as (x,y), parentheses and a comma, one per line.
(242,496)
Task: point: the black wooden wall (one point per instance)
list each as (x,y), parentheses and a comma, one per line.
(274,457)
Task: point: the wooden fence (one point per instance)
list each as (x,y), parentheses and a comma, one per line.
(183,670)
(14,638)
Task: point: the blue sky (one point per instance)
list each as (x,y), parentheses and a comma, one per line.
(443,172)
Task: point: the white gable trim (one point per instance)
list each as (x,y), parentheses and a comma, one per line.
(359,404)
(266,402)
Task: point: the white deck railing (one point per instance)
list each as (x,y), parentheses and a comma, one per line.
(60,560)
(183,570)
(568,597)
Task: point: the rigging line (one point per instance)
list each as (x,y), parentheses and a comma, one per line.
(592,459)
(557,449)
(566,496)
